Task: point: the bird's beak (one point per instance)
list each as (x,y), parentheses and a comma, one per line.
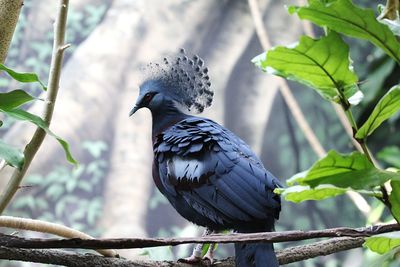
(135,108)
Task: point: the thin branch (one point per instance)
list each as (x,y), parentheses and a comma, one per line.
(124,243)
(285,256)
(49,228)
(391,10)
(9,14)
(283,86)
(54,79)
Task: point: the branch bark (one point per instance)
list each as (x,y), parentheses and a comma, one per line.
(50,228)
(285,256)
(53,85)
(124,243)
(9,14)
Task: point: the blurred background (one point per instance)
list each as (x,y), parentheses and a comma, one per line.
(111,193)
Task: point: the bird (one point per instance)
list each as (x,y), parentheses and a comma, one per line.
(208,174)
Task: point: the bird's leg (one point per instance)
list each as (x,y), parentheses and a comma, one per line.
(197,251)
(208,259)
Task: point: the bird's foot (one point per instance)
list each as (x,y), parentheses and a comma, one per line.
(207,260)
(193,259)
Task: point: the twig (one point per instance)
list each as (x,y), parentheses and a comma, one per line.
(50,228)
(391,10)
(285,256)
(9,13)
(39,135)
(124,243)
(283,86)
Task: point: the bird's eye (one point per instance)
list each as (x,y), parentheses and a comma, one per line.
(148,97)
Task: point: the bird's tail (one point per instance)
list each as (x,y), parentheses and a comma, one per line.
(255,255)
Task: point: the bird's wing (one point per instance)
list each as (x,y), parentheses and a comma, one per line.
(215,172)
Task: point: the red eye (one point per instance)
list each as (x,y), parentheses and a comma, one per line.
(148,97)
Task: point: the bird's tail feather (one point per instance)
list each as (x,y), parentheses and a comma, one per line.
(255,255)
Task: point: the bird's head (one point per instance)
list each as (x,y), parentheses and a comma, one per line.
(182,82)
(150,96)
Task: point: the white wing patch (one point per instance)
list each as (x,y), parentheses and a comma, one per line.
(185,168)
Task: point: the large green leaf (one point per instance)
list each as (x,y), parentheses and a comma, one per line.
(322,64)
(20,114)
(388,105)
(394,200)
(383,243)
(299,193)
(11,155)
(23,77)
(344,171)
(344,17)
(14,99)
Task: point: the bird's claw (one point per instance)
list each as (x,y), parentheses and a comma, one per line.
(191,260)
(207,260)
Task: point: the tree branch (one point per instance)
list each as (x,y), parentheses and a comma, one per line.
(9,14)
(124,243)
(54,79)
(49,228)
(285,256)
(284,87)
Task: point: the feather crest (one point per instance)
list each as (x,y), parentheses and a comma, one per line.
(184,78)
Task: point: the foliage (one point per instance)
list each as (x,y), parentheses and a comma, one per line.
(11,155)
(9,103)
(38,62)
(345,17)
(324,65)
(386,108)
(326,60)
(75,193)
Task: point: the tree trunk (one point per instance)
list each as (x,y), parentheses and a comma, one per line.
(9,14)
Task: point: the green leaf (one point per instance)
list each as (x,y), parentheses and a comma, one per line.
(14,99)
(23,115)
(388,105)
(343,171)
(299,193)
(390,155)
(23,77)
(394,199)
(322,64)
(383,243)
(11,155)
(344,17)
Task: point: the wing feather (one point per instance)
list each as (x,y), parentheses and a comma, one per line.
(216,173)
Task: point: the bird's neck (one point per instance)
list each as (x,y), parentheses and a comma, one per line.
(166,117)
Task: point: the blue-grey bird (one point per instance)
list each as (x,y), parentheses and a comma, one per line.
(208,174)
